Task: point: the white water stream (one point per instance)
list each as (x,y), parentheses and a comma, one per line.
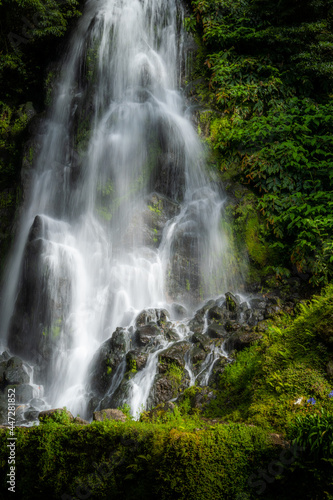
(117,119)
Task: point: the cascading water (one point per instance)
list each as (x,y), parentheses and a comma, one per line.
(121,215)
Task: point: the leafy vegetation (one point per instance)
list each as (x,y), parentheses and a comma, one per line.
(270,383)
(266,72)
(135,460)
(28,33)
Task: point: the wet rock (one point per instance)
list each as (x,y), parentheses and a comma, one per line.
(37,402)
(147,334)
(196,325)
(147,224)
(215,331)
(163,390)
(232,302)
(254,316)
(231,326)
(242,339)
(197,356)
(109,414)
(178,311)
(175,354)
(167,386)
(136,360)
(118,396)
(24,393)
(42,302)
(3,407)
(169,177)
(56,414)
(258,303)
(93,405)
(272,310)
(5,356)
(202,398)
(217,314)
(31,414)
(147,316)
(160,412)
(198,397)
(208,305)
(261,327)
(203,340)
(106,361)
(170,334)
(14,371)
(218,369)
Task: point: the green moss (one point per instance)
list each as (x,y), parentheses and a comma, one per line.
(258,250)
(266,379)
(135,460)
(131,367)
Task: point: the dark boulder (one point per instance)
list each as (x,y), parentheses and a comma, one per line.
(147,335)
(215,331)
(106,361)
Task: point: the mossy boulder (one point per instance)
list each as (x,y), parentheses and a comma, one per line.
(109,414)
(59,415)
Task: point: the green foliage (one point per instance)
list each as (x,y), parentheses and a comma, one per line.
(264,383)
(266,70)
(12,126)
(57,417)
(126,409)
(135,460)
(314,433)
(28,32)
(175,373)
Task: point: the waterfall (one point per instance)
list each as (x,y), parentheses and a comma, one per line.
(121,215)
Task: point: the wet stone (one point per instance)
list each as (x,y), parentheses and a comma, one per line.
(171,335)
(203,340)
(31,414)
(216,314)
(147,334)
(215,331)
(232,302)
(37,402)
(148,316)
(14,371)
(196,325)
(175,354)
(136,359)
(197,356)
(24,393)
(241,340)
(178,311)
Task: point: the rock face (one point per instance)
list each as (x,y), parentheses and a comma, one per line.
(13,371)
(167,356)
(37,328)
(106,361)
(147,225)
